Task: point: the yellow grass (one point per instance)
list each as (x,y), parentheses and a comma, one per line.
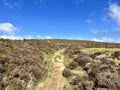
(107,51)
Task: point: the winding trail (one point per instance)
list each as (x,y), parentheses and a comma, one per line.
(57,81)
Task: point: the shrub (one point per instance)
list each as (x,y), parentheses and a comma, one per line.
(82,60)
(116,54)
(66,73)
(73,65)
(108,80)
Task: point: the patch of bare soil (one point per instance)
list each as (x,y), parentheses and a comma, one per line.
(57,81)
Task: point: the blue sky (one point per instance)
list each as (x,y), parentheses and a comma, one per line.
(97,20)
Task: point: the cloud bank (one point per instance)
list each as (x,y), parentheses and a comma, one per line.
(114,12)
(9,31)
(105,39)
(7,28)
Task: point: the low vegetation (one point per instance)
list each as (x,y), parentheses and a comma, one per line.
(22,63)
(107,51)
(26,63)
(67,61)
(48,59)
(88,73)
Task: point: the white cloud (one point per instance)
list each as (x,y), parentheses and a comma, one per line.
(8,31)
(7,28)
(29,37)
(89,21)
(104,39)
(39,37)
(12,4)
(96,40)
(102,32)
(113,31)
(114,12)
(15,37)
(10,37)
(43,37)
(47,37)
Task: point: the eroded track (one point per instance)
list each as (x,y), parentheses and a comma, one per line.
(57,81)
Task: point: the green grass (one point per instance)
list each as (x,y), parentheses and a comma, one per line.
(78,68)
(107,51)
(67,61)
(48,59)
(71,87)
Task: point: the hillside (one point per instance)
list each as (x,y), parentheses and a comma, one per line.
(24,64)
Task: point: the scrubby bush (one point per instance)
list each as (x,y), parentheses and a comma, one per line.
(116,55)
(108,80)
(73,65)
(102,74)
(82,59)
(72,51)
(66,73)
(22,63)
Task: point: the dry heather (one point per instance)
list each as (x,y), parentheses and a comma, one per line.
(22,63)
(103,74)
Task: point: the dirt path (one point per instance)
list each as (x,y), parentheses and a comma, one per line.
(57,81)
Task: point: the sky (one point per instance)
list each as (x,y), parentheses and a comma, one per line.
(96,20)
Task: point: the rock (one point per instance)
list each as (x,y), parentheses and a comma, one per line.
(100,57)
